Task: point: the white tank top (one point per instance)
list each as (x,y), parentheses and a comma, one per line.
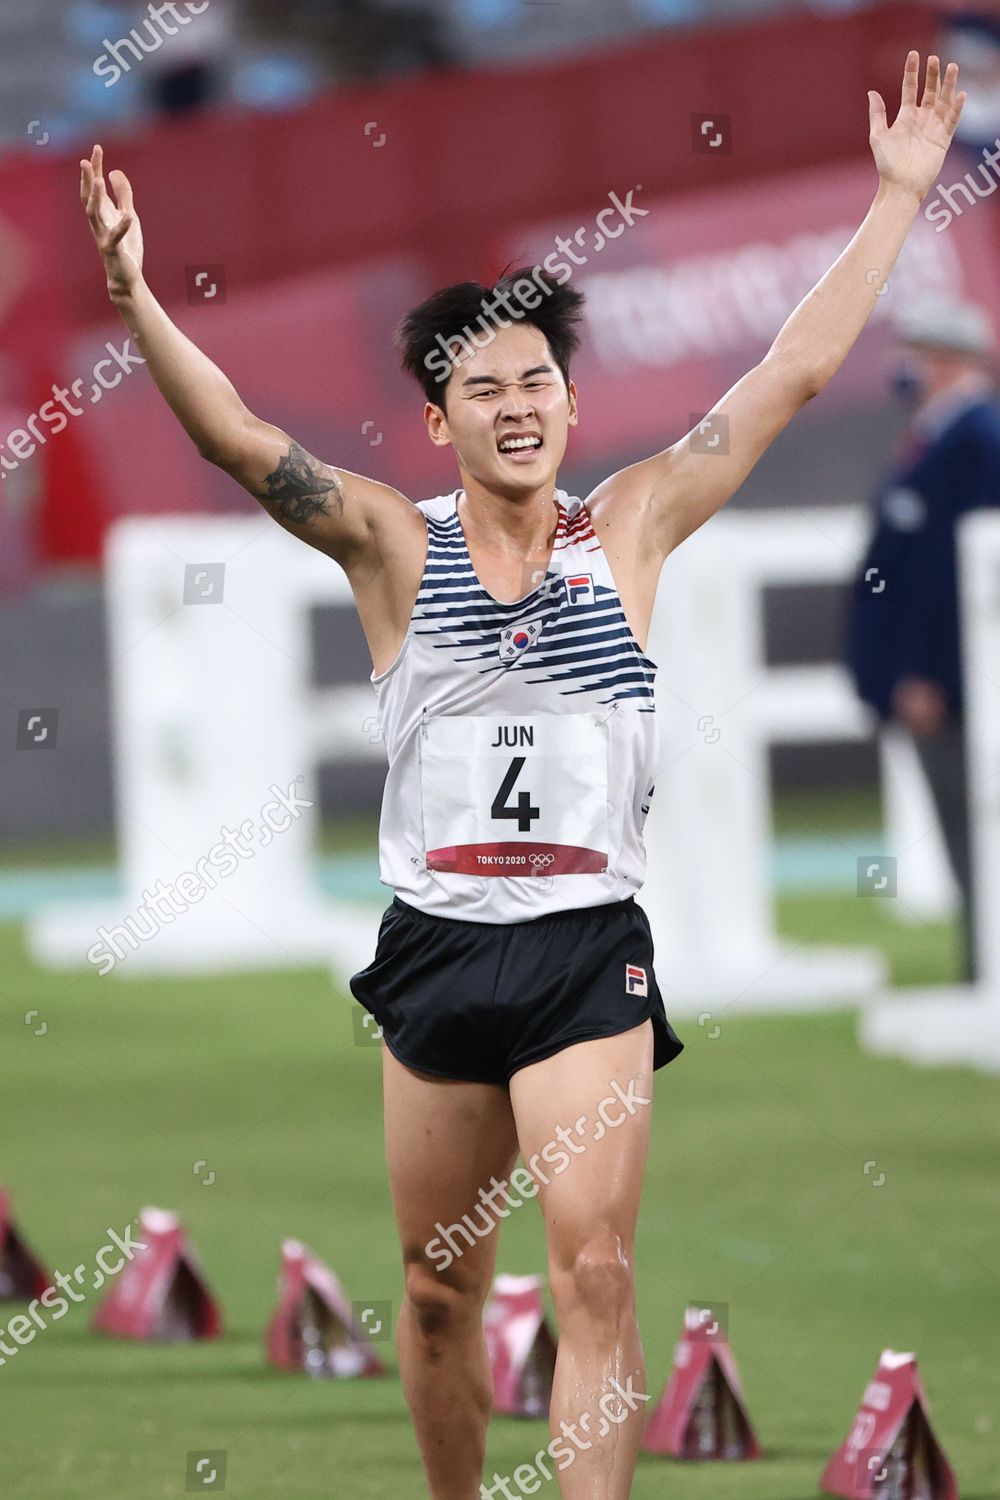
(521,737)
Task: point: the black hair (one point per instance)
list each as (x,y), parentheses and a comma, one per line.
(428,336)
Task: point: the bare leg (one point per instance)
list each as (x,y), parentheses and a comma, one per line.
(444,1141)
(590,1212)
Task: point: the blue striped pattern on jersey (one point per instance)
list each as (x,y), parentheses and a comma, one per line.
(583,648)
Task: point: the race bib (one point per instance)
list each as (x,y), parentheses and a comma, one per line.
(515,796)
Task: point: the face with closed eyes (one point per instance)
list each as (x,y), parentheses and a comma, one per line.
(507,414)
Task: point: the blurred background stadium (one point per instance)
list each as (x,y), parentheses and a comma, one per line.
(305,172)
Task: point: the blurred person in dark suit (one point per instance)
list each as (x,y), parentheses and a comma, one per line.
(903,641)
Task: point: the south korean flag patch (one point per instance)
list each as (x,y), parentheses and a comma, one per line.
(517,640)
(635,980)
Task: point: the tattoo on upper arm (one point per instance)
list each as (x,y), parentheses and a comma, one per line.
(299,489)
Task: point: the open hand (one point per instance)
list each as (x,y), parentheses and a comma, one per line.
(116,225)
(909,153)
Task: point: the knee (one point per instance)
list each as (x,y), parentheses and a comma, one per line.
(441,1301)
(599,1281)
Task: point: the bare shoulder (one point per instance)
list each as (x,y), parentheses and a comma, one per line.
(399,549)
(620,510)
(390,517)
(371,529)
(385,575)
(394,529)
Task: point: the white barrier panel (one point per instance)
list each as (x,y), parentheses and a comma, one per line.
(930,891)
(212,708)
(979,560)
(961,1024)
(709,891)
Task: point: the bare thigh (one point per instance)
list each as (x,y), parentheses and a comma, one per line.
(444,1141)
(592,1198)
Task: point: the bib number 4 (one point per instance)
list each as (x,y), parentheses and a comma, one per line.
(523,810)
(543,811)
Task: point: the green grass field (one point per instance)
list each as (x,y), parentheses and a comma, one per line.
(756,1196)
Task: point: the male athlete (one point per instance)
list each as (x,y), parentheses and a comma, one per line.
(507,624)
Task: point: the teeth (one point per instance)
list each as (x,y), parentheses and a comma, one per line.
(509,445)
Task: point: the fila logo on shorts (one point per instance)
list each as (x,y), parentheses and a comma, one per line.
(580,588)
(635,980)
(515,640)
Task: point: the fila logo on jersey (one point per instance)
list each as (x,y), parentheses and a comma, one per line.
(515,640)
(580,588)
(635,980)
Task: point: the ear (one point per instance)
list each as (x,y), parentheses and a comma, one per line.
(573,412)
(437,425)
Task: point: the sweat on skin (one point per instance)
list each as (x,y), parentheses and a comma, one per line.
(525,1179)
(525,1476)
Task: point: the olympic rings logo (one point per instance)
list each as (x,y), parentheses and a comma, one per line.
(541,861)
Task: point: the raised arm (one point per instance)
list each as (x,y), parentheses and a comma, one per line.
(357,521)
(677,490)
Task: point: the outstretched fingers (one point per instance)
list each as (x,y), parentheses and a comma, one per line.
(876,113)
(911,76)
(123,190)
(955,113)
(97,166)
(92,190)
(949,104)
(947,96)
(932,83)
(96,200)
(105,214)
(939,96)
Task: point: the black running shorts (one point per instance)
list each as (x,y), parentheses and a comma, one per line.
(478,1000)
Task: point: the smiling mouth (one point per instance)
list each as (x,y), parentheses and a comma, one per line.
(514,447)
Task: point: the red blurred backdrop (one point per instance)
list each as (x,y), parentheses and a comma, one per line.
(329,222)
